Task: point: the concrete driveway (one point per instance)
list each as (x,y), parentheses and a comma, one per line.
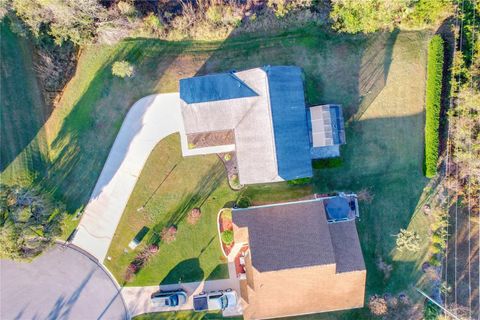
(137,299)
(149,120)
(63,283)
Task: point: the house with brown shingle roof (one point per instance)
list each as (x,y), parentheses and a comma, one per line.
(302,258)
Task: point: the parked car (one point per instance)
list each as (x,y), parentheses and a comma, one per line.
(215,300)
(169,298)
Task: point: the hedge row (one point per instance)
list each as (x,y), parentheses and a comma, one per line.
(433,98)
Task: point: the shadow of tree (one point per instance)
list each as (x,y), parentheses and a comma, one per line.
(24,110)
(194,199)
(88,132)
(186,271)
(63,305)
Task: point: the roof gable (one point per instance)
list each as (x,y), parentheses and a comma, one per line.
(214,87)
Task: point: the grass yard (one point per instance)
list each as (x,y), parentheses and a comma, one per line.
(379,79)
(384,97)
(23,111)
(168,188)
(194,182)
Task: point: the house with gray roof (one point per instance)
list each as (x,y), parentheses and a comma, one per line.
(261,115)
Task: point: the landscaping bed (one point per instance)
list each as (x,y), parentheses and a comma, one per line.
(225,228)
(230,162)
(210,139)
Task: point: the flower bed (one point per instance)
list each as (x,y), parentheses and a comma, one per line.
(225,229)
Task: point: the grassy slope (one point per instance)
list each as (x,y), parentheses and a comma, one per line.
(22,111)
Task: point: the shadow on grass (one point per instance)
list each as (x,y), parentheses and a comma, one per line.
(385,156)
(220,272)
(195,199)
(89,130)
(186,271)
(24,110)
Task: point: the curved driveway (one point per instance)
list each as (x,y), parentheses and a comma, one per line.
(149,120)
(63,283)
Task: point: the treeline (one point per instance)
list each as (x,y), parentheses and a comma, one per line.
(108,21)
(464,117)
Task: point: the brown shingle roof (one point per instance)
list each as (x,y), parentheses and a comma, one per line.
(346,245)
(295,235)
(287,236)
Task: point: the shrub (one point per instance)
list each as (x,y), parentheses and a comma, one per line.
(433,99)
(130,273)
(244,202)
(227,157)
(122,69)
(194,215)
(169,234)
(152,25)
(227,237)
(126,8)
(300,181)
(408,240)
(434,261)
(430,311)
(377,305)
(327,163)
(365,195)
(214,14)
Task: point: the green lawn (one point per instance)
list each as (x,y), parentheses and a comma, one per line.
(168,188)
(23,111)
(379,79)
(383,93)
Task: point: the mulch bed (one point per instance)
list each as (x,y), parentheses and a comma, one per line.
(225,224)
(210,139)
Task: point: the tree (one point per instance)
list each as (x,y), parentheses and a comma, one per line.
(64,20)
(29,222)
(354,16)
(122,69)
(367,16)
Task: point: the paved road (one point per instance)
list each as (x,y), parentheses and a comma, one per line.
(62,284)
(137,299)
(149,121)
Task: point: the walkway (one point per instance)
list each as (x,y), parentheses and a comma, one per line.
(63,283)
(137,299)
